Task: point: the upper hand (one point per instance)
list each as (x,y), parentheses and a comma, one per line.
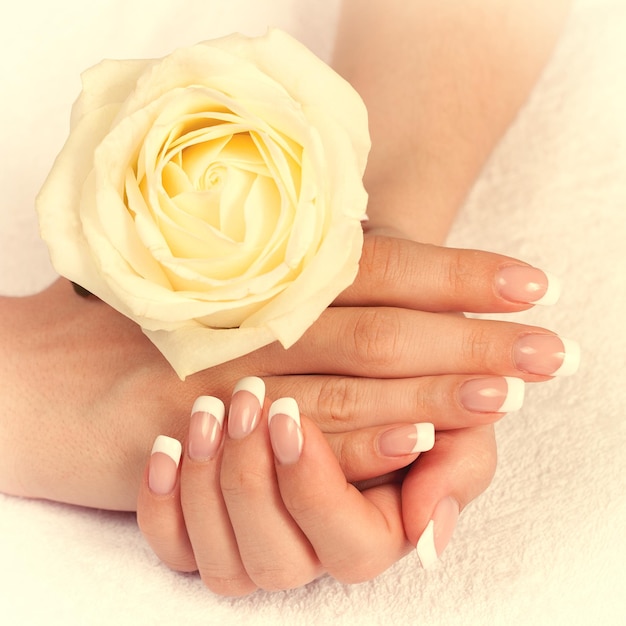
(73,369)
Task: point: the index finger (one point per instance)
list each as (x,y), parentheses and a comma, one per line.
(404,273)
(355,535)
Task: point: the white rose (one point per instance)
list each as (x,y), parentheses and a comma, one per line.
(213,196)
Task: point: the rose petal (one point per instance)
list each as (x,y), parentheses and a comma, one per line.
(213,196)
(109,82)
(307,80)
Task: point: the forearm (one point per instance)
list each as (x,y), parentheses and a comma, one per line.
(442,82)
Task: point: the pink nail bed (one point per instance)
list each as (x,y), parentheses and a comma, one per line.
(245,406)
(409,439)
(522,283)
(205,428)
(438,532)
(163,466)
(497,394)
(285,430)
(546,355)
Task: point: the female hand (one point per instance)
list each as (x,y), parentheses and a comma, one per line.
(261,500)
(85,393)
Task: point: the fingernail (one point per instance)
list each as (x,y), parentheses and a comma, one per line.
(498,394)
(164,461)
(285,430)
(438,532)
(205,428)
(522,283)
(245,407)
(547,355)
(409,439)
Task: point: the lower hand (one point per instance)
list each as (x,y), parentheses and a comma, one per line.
(270,506)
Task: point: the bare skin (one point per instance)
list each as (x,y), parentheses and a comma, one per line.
(85,393)
(442,82)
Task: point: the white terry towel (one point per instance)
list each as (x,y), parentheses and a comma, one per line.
(546,544)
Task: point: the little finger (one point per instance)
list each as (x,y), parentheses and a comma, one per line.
(159,512)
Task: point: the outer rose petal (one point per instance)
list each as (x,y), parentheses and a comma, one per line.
(108,82)
(125,257)
(58,205)
(307,79)
(193,347)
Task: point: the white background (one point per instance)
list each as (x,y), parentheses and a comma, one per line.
(546,544)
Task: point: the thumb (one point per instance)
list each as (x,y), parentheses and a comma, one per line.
(441,483)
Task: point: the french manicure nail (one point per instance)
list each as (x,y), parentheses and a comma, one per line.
(245,406)
(522,283)
(546,355)
(285,430)
(163,467)
(497,394)
(438,532)
(409,439)
(205,428)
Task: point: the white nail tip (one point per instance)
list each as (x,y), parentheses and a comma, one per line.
(254,385)
(553,292)
(169,446)
(425,437)
(514,400)
(209,404)
(571,358)
(426,550)
(285,406)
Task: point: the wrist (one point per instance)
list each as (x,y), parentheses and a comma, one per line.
(411,208)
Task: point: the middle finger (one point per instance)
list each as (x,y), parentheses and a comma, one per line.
(388,342)
(275,552)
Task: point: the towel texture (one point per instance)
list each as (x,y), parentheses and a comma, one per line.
(546,544)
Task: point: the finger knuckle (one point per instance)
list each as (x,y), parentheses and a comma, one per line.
(353,571)
(376,336)
(175,557)
(337,400)
(454,273)
(384,259)
(286,576)
(304,505)
(229,586)
(479,347)
(375,255)
(183,562)
(343,452)
(240,482)
(426,399)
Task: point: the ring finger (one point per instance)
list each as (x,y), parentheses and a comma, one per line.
(341,403)
(206,517)
(387,342)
